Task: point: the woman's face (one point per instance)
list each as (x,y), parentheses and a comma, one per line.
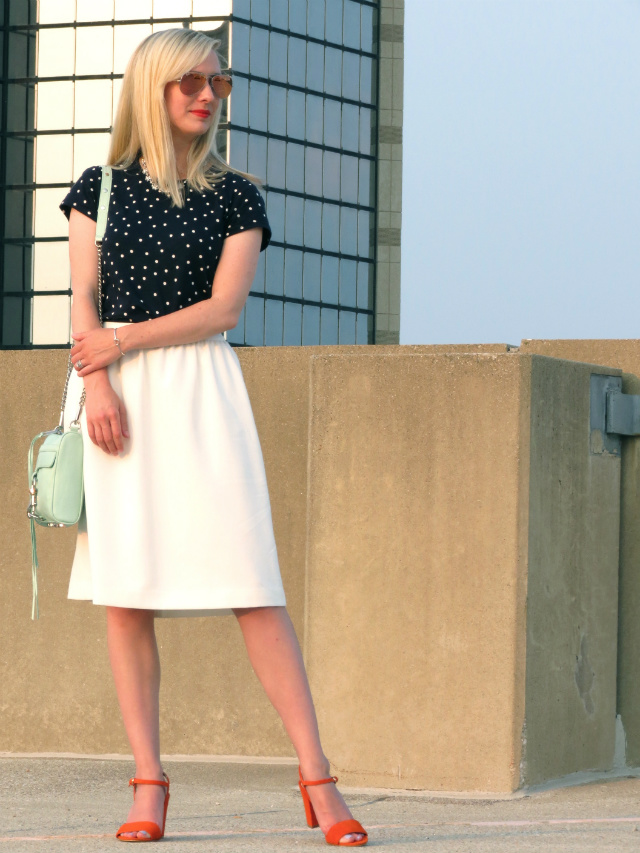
(192,115)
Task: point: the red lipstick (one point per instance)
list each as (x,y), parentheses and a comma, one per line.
(201,113)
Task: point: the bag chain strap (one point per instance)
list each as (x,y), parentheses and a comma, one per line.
(76,420)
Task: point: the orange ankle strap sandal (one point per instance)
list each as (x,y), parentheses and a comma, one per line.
(153,830)
(338,830)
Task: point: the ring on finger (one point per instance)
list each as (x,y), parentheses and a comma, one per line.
(78,365)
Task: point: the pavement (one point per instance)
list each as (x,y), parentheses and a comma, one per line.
(72,804)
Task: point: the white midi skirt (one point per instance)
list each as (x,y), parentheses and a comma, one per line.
(180,522)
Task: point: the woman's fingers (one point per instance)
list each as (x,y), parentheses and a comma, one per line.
(124,421)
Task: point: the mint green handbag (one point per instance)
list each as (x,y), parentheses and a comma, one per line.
(56,481)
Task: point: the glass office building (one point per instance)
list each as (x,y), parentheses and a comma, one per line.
(303,116)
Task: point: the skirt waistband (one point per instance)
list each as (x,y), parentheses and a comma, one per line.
(109,324)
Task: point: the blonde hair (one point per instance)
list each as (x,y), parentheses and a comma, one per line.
(142,121)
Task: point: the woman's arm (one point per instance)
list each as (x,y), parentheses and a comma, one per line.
(106,415)
(231,284)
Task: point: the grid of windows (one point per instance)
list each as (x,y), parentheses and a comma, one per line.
(302,118)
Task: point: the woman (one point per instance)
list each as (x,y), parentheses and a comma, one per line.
(177,518)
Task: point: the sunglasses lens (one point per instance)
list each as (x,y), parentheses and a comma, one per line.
(191,84)
(221,85)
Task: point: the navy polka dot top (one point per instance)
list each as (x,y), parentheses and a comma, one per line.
(158,258)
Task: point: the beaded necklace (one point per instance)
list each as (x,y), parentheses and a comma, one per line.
(145,172)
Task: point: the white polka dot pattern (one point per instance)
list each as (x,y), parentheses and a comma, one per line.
(159,258)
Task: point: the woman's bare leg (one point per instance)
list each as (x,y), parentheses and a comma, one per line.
(135,664)
(276,658)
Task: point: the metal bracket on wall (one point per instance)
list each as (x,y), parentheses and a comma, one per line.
(613,414)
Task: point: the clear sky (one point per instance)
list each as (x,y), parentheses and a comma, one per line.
(521,190)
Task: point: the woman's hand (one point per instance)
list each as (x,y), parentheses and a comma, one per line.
(94,349)
(106,418)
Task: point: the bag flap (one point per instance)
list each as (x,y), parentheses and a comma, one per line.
(46,458)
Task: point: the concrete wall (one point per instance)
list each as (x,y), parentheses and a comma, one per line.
(622,355)
(414,495)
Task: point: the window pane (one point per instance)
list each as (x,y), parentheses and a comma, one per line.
(311,276)
(315,19)
(52,12)
(365,239)
(259,52)
(331,175)
(279,10)
(332,122)
(275,270)
(295,167)
(56,49)
(55,106)
(278,57)
(333,71)
(19,115)
(93,103)
(295,114)
(334,21)
(258,103)
(364,329)
(51,266)
(312,224)
(89,149)
(275,212)
(295,214)
(254,322)
(350,127)
(12,320)
(239,150)
(297,71)
(328,326)
(274,321)
(348,231)
(331,228)
(351,28)
(260,11)
(365,183)
(313,171)
(258,156)
(365,285)
(348,272)
(298,16)
(349,179)
(51,315)
(367,34)
(278,110)
(202,8)
(90,10)
(310,325)
(239,47)
(127,11)
(350,76)
(16,277)
(276,163)
(314,119)
(19,165)
(242,8)
(94,50)
(239,102)
(49,221)
(366,129)
(367,80)
(168,8)
(293,273)
(125,41)
(330,278)
(54,159)
(258,279)
(292,324)
(315,66)
(347,327)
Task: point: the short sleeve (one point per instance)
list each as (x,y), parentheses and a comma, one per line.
(246,209)
(84,194)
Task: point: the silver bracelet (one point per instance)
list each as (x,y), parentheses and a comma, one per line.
(115,338)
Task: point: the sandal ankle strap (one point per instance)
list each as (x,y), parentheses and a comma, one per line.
(318,781)
(135,781)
